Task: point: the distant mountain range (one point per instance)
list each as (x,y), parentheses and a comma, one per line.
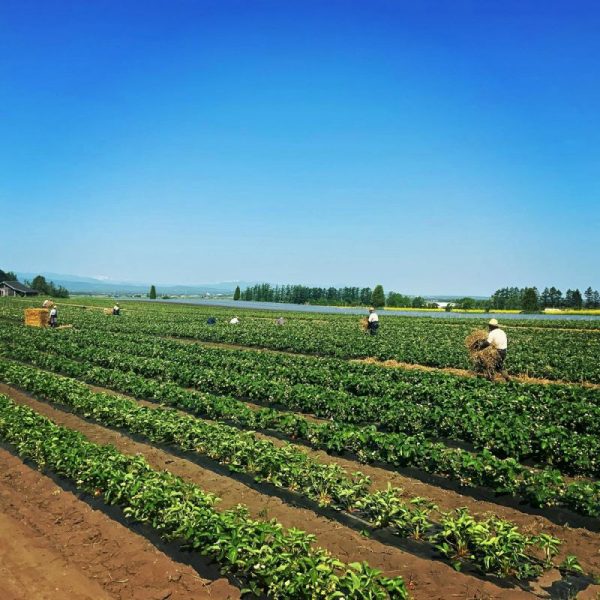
(77,284)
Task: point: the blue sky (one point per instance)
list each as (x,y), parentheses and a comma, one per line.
(433,147)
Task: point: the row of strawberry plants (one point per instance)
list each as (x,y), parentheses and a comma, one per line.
(261,553)
(568,355)
(497,548)
(165,310)
(542,488)
(520,427)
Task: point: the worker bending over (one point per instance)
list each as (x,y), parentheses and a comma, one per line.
(116,310)
(53,322)
(373,322)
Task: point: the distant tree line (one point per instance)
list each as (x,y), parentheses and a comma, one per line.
(38,283)
(302,294)
(47,288)
(530,299)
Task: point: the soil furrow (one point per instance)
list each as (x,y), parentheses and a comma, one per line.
(55,546)
(428,579)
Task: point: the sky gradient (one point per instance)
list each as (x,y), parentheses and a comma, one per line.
(433,147)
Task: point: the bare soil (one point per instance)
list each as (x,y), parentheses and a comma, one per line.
(55,546)
(428,579)
(579,541)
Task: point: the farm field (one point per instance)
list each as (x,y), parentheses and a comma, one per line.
(175,459)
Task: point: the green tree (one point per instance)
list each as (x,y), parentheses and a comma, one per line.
(418,302)
(397,300)
(7,276)
(152,294)
(530,302)
(40,284)
(237,293)
(378,297)
(466,303)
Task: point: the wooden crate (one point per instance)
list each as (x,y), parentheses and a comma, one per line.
(37,317)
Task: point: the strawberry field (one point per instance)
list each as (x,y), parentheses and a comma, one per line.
(388,481)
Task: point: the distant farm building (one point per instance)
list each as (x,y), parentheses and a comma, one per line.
(442,304)
(15,288)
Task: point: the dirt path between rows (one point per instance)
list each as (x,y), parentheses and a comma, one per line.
(54,546)
(465,373)
(579,541)
(429,580)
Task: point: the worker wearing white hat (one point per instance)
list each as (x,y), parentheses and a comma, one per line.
(497,338)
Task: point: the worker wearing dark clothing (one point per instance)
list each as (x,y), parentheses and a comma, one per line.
(211,321)
(373,322)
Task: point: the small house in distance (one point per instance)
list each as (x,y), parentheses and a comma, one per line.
(15,288)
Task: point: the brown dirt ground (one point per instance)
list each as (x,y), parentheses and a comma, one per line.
(55,546)
(579,541)
(430,580)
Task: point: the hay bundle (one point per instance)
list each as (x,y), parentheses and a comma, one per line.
(37,317)
(364,323)
(484,360)
(108,311)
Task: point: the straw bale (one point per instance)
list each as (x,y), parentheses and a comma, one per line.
(484,360)
(37,317)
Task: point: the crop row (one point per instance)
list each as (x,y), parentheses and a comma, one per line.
(166,310)
(269,559)
(494,545)
(506,476)
(544,352)
(504,419)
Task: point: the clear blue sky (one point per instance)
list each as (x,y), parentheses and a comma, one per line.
(433,147)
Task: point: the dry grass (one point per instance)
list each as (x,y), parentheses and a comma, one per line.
(484,360)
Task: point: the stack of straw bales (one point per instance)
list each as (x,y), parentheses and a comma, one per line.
(37,317)
(364,324)
(484,360)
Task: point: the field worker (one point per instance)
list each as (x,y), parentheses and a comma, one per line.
(116,309)
(53,317)
(497,338)
(234,321)
(280,321)
(211,321)
(373,321)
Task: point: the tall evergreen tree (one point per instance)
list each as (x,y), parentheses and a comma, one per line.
(530,302)
(378,297)
(589,297)
(152,294)
(237,293)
